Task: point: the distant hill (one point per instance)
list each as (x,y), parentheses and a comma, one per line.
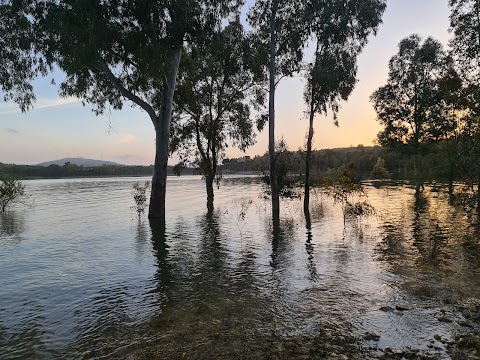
(78,162)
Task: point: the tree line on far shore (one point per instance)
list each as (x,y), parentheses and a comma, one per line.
(359,162)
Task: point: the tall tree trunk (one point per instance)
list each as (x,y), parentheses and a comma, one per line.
(162,132)
(271,118)
(450,185)
(306,199)
(209,178)
(419,187)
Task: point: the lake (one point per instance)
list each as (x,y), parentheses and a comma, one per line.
(81,276)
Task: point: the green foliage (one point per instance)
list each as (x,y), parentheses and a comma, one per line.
(11,190)
(465,43)
(218,86)
(136,40)
(349,195)
(19,64)
(379,171)
(408,105)
(331,77)
(296,22)
(342,190)
(418,106)
(139,194)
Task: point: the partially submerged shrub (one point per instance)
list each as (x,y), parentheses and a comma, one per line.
(11,189)
(350,196)
(239,212)
(140,196)
(218,179)
(359,209)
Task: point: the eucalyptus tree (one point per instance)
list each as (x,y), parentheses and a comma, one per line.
(287,26)
(114,52)
(218,86)
(410,105)
(280,27)
(341,30)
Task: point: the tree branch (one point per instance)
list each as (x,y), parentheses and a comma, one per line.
(127,93)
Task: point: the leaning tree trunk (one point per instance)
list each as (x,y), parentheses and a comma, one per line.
(271,119)
(162,131)
(306,199)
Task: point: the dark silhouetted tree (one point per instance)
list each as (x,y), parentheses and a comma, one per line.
(465,44)
(411,106)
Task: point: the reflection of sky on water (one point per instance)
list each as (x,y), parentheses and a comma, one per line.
(12,225)
(90,279)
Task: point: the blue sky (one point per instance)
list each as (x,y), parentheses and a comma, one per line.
(58,128)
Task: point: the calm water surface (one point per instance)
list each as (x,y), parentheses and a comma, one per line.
(82,277)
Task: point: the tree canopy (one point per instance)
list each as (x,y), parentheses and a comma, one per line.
(219,84)
(19,63)
(410,105)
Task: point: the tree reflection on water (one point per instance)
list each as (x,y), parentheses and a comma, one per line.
(12,225)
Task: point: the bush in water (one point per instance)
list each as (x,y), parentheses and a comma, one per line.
(140,196)
(10,190)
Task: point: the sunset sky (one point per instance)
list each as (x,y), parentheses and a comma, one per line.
(58,128)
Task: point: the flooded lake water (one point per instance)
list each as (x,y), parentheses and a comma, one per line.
(82,277)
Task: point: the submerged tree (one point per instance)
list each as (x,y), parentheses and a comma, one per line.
(11,190)
(411,105)
(218,86)
(114,52)
(287,26)
(332,75)
(281,28)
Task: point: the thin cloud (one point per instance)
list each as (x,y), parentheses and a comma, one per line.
(125,139)
(12,131)
(48,103)
(11,108)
